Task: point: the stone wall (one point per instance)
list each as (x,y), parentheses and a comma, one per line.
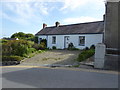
(111,62)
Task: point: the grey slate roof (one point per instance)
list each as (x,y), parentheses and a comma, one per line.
(81,28)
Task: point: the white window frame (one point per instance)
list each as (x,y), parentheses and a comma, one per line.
(54,40)
(80,43)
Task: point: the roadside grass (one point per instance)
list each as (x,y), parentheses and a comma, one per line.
(36,52)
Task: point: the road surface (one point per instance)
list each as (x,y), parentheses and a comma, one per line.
(41,77)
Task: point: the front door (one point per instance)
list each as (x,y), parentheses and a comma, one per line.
(66,41)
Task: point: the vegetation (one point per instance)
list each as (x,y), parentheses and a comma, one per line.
(3,40)
(71,47)
(26,46)
(17,47)
(92,47)
(36,39)
(85,54)
(43,44)
(53,47)
(24,36)
(16,50)
(11,58)
(86,48)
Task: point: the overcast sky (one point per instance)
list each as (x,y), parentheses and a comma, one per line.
(28,15)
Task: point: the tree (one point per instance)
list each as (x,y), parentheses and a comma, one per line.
(19,35)
(29,35)
(24,36)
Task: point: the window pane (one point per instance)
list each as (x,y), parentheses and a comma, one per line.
(82,40)
(53,40)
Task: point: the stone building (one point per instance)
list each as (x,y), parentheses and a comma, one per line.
(111,24)
(111,34)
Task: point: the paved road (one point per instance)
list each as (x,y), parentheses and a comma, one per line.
(37,77)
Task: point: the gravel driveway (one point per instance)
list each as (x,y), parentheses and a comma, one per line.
(62,57)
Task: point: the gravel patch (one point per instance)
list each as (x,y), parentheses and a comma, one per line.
(60,57)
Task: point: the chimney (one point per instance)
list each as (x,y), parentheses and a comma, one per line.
(57,24)
(44,25)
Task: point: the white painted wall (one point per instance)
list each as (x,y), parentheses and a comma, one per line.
(41,36)
(90,39)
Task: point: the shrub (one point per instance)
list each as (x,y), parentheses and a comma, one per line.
(11,58)
(86,48)
(36,39)
(42,46)
(92,47)
(3,41)
(17,47)
(53,47)
(31,50)
(70,46)
(85,54)
(44,41)
(38,46)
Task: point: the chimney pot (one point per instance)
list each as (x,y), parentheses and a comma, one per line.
(44,25)
(57,24)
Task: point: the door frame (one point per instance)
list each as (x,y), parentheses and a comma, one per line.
(65,41)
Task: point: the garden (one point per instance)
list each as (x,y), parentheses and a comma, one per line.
(13,51)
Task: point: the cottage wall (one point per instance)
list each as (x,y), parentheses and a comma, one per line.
(90,39)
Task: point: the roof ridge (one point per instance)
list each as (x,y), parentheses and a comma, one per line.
(76,24)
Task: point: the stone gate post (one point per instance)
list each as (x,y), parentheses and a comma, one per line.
(99,56)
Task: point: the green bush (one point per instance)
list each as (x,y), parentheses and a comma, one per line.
(36,46)
(3,41)
(53,47)
(85,54)
(36,39)
(24,36)
(31,50)
(42,46)
(70,46)
(86,48)
(92,47)
(11,58)
(17,47)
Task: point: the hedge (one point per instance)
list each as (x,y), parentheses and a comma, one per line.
(85,54)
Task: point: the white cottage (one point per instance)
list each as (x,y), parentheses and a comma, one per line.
(81,35)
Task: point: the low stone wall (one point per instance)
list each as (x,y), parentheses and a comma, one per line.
(10,63)
(111,62)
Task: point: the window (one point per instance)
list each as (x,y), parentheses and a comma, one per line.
(54,40)
(81,40)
